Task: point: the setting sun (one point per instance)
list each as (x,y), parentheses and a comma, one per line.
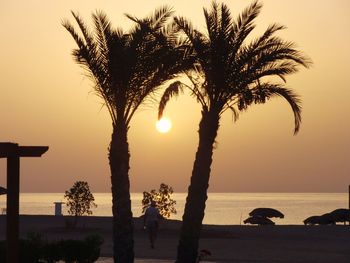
(163,125)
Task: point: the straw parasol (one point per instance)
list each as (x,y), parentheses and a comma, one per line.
(325,219)
(266,212)
(258,220)
(3,190)
(340,215)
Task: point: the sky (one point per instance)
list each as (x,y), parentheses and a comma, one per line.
(45,99)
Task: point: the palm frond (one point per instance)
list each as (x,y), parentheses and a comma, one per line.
(279,69)
(132,18)
(250,51)
(212,20)
(218,21)
(160,17)
(197,88)
(156,21)
(269,32)
(194,37)
(245,19)
(81,55)
(173,90)
(244,25)
(103,32)
(274,57)
(70,28)
(226,21)
(235,112)
(83,28)
(265,91)
(88,57)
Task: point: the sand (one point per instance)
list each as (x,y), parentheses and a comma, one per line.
(238,244)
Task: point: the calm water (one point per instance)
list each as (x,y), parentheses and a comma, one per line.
(222,208)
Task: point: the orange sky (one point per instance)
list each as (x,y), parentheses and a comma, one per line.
(46,100)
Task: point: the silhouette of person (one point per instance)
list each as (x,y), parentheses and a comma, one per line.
(150,222)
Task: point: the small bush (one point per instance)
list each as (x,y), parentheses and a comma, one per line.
(52,252)
(164,202)
(36,250)
(80,200)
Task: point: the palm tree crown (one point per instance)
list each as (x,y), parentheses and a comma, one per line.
(230,74)
(125,67)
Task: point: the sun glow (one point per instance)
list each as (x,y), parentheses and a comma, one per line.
(163,125)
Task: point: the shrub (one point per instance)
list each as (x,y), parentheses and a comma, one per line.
(79,200)
(165,204)
(30,249)
(34,250)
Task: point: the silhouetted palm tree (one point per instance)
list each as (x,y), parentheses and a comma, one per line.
(125,68)
(230,75)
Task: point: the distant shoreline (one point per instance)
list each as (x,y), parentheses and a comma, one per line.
(227,243)
(291,192)
(221,208)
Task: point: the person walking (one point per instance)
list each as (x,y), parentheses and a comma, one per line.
(150,222)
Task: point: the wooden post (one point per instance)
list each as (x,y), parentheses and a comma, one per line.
(12,206)
(13,152)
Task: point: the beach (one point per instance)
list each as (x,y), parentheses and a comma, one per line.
(227,243)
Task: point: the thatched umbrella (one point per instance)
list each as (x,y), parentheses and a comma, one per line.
(258,220)
(3,190)
(340,215)
(325,219)
(266,212)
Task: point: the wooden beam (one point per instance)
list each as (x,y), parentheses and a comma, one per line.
(8,149)
(32,151)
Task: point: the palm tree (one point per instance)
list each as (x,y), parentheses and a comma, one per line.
(125,69)
(230,74)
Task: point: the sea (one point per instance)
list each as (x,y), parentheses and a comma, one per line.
(221,208)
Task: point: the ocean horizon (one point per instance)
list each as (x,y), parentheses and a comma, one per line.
(221,208)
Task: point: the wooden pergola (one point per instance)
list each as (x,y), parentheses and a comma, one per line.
(13,152)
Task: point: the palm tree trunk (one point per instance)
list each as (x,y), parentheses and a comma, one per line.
(197,192)
(123,240)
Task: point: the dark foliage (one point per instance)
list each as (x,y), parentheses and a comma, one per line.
(36,250)
(164,202)
(80,200)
